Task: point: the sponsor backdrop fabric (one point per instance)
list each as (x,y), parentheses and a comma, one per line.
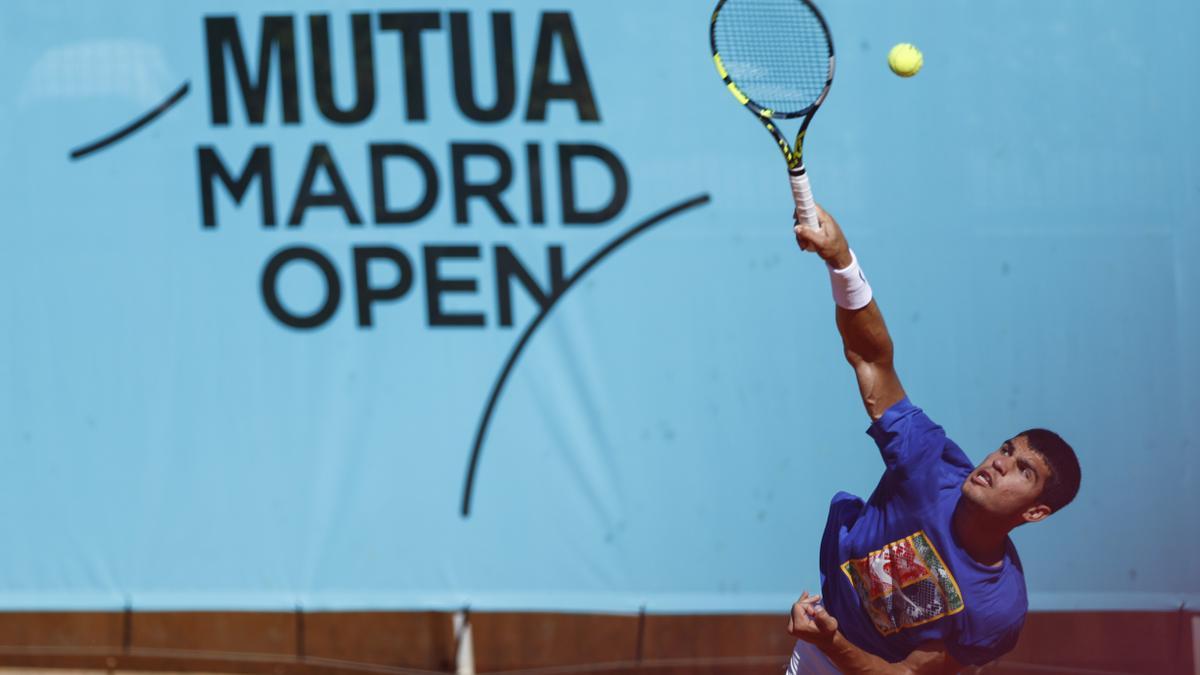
(252,351)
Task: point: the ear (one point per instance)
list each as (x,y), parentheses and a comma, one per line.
(1034,514)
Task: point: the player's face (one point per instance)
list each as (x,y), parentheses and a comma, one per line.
(1009,481)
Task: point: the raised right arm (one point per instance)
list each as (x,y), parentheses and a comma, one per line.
(865,338)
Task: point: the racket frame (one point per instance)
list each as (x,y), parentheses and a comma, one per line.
(793,154)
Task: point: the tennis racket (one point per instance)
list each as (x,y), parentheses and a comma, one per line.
(776,58)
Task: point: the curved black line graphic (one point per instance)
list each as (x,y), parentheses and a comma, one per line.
(498,386)
(84,150)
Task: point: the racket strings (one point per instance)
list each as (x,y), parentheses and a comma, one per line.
(777,52)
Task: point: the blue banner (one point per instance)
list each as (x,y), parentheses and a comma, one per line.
(347,306)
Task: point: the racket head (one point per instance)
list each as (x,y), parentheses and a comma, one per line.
(776,56)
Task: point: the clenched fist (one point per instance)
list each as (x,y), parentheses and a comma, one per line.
(810,622)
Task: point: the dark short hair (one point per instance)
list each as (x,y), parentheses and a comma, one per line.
(1063,484)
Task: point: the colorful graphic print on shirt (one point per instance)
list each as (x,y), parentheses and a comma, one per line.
(904,584)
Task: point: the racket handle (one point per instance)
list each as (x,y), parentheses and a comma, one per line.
(806,208)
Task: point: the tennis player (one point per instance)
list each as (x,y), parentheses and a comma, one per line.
(922,576)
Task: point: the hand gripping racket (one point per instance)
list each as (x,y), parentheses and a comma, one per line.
(776,58)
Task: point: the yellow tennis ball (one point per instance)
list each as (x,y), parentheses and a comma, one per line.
(905,60)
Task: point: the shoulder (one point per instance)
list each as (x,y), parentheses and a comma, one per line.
(908,438)
(902,417)
(904,427)
(956,458)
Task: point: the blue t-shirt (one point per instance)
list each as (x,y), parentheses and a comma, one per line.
(891,570)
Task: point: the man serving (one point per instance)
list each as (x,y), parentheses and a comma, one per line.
(922,576)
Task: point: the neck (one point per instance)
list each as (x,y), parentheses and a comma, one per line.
(982,537)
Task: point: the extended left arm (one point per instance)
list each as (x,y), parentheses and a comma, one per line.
(810,622)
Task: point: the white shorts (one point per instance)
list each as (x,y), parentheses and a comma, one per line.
(807,659)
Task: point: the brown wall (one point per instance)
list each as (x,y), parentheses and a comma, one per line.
(422,642)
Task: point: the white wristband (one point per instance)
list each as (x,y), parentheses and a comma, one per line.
(850,287)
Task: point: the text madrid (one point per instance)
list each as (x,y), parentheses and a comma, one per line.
(403,179)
